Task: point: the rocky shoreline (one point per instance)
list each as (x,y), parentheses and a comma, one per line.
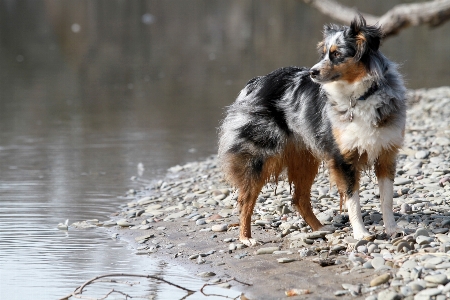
(189,218)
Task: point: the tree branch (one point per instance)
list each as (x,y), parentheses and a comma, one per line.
(432,13)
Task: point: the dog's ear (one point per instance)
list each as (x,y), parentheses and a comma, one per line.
(367,37)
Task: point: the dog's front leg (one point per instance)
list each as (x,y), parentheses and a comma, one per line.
(385,171)
(346,176)
(354,213)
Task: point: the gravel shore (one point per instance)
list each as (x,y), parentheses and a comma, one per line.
(189,218)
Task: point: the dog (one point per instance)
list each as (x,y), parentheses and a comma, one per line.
(348,111)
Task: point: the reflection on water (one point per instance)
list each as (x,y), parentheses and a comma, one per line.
(89,89)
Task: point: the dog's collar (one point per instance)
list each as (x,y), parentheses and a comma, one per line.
(373,88)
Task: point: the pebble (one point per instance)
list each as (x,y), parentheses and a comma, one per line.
(206,274)
(389,295)
(285,260)
(438,278)
(219,228)
(378,262)
(200,222)
(124,223)
(380,279)
(267,250)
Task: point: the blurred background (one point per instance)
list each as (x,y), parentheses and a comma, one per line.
(89,89)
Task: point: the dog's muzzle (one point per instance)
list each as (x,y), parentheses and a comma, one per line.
(314,73)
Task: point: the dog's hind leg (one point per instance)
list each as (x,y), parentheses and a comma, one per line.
(302,168)
(247,200)
(249,175)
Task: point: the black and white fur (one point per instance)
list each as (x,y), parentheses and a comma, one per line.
(348,110)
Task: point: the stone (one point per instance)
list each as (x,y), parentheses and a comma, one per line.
(434,260)
(200,222)
(443,238)
(403,247)
(376,218)
(422,154)
(428,293)
(438,278)
(380,279)
(267,250)
(401,181)
(285,260)
(219,227)
(421,232)
(405,208)
(339,293)
(378,262)
(389,295)
(441,141)
(409,264)
(206,274)
(371,248)
(422,240)
(124,223)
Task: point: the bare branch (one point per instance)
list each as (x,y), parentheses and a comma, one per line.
(217,283)
(79,289)
(432,13)
(339,12)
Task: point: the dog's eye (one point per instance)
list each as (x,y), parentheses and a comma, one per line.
(336,54)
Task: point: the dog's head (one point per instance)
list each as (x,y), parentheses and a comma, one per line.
(345,52)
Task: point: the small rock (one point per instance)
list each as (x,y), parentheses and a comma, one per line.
(380,279)
(267,250)
(220,227)
(378,262)
(389,295)
(124,223)
(422,154)
(200,222)
(438,278)
(206,274)
(341,293)
(285,260)
(401,181)
(427,293)
(421,232)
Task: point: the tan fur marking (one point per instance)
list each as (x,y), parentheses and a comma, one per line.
(337,136)
(321,46)
(385,164)
(360,39)
(302,168)
(348,70)
(333,48)
(351,71)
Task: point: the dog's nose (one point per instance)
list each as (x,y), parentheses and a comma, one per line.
(313,73)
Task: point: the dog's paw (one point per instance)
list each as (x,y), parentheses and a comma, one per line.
(249,242)
(363,235)
(395,231)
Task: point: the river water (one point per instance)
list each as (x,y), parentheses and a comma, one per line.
(89,89)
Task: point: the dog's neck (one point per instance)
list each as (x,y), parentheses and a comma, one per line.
(342,91)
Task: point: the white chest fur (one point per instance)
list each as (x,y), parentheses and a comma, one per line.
(360,131)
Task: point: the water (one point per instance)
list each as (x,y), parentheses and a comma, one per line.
(89,89)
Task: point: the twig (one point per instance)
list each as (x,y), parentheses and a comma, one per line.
(117,281)
(217,283)
(79,289)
